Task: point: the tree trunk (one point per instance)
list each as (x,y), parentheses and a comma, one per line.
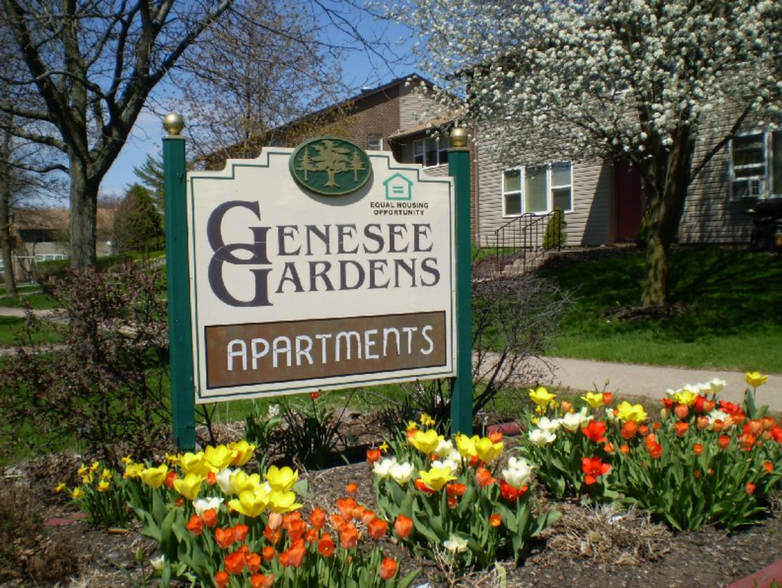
(666,180)
(5,214)
(5,237)
(84,199)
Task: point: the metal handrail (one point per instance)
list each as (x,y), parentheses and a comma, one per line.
(521,238)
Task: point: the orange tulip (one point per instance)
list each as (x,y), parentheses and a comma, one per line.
(723,441)
(318,518)
(373,455)
(455,490)
(629,429)
(697,449)
(294,555)
(681,411)
(403,526)
(702,422)
(750,488)
(755,427)
(608,398)
(211,478)
(272,535)
(387,568)
(195,525)
(351,488)
(234,563)
(170,477)
(253,561)
(348,536)
(483,477)
(240,532)
(268,553)
(624,449)
(609,448)
(367,517)
(261,581)
(326,545)
(377,528)
(225,537)
(495,520)
(566,406)
(681,428)
(210,517)
(221,579)
(495,437)
(346,506)
(643,430)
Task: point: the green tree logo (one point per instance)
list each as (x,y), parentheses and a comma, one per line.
(330,166)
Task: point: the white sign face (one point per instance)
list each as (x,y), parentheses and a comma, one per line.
(294,292)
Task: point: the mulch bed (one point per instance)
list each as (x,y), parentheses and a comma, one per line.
(588,546)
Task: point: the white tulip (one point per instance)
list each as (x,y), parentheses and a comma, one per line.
(455,544)
(383,468)
(540,437)
(401,472)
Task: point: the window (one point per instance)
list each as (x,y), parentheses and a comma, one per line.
(537,189)
(431,152)
(374,143)
(756,165)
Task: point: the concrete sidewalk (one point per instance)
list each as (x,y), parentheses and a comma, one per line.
(653,381)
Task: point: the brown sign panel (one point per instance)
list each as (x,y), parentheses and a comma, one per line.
(263,353)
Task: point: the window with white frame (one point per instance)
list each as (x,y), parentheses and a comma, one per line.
(756,165)
(537,189)
(431,152)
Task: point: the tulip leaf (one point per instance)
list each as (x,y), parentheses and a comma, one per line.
(407,580)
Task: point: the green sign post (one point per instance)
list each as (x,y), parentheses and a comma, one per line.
(178,273)
(461,386)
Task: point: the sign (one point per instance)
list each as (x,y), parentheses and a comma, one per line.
(319,268)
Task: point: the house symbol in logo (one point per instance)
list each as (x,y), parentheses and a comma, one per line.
(398,187)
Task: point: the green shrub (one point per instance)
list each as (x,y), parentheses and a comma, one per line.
(555,236)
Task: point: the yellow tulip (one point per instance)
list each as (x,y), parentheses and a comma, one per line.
(61,487)
(218,458)
(251,503)
(241,482)
(466,445)
(82,470)
(127,460)
(685,397)
(755,379)
(426,420)
(154,477)
(593,399)
(103,485)
(195,463)
(630,412)
(94,467)
(106,475)
(243,451)
(541,397)
(133,471)
(77,493)
(488,451)
(436,478)
(189,486)
(282,502)
(425,441)
(281,479)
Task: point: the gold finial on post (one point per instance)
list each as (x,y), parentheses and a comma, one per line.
(173,123)
(459,137)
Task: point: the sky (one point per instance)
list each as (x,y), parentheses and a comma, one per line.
(360,67)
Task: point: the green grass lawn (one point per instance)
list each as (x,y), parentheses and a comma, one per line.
(37,301)
(729,315)
(10,326)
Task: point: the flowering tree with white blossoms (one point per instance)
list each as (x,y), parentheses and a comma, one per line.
(618,79)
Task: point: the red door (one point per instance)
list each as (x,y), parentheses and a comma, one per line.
(628,201)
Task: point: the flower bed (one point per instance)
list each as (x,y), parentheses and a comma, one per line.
(467,501)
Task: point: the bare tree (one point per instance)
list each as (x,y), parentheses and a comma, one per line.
(244,80)
(94,63)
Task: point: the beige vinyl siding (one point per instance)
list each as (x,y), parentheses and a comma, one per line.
(710,214)
(591,220)
(413,106)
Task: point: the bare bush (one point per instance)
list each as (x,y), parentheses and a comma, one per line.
(514,319)
(103,385)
